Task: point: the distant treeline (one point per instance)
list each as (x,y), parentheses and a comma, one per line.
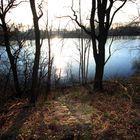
(125,31)
(29,34)
(119,31)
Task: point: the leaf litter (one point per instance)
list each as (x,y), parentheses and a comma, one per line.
(75,113)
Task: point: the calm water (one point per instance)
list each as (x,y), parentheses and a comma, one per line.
(66,57)
(119,65)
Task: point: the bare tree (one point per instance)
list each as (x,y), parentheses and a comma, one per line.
(38,44)
(101,18)
(84,52)
(5,7)
(50,58)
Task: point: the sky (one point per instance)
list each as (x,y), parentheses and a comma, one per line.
(61,8)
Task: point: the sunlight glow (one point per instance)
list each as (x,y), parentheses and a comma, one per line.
(59,65)
(21,14)
(62,8)
(57,55)
(58,58)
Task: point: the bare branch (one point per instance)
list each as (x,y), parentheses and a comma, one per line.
(12,4)
(41,12)
(108,10)
(76,20)
(117,11)
(109,51)
(5,8)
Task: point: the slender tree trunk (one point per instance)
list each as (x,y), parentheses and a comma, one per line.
(11,59)
(49,32)
(49,66)
(34,87)
(87,63)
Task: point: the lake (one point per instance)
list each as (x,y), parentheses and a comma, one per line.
(66,57)
(124,53)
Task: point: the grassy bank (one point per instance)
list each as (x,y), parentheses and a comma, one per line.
(76,113)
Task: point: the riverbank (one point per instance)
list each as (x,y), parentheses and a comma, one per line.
(77,113)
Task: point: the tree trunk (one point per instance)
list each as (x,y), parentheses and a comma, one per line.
(49,32)
(48,88)
(98,80)
(11,59)
(34,87)
(99,70)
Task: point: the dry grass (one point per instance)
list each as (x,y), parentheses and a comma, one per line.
(78,113)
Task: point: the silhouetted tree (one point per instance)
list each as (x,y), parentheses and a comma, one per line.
(38,44)
(84,49)
(50,58)
(5,7)
(101,18)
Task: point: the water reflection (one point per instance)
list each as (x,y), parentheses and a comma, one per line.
(66,56)
(120,64)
